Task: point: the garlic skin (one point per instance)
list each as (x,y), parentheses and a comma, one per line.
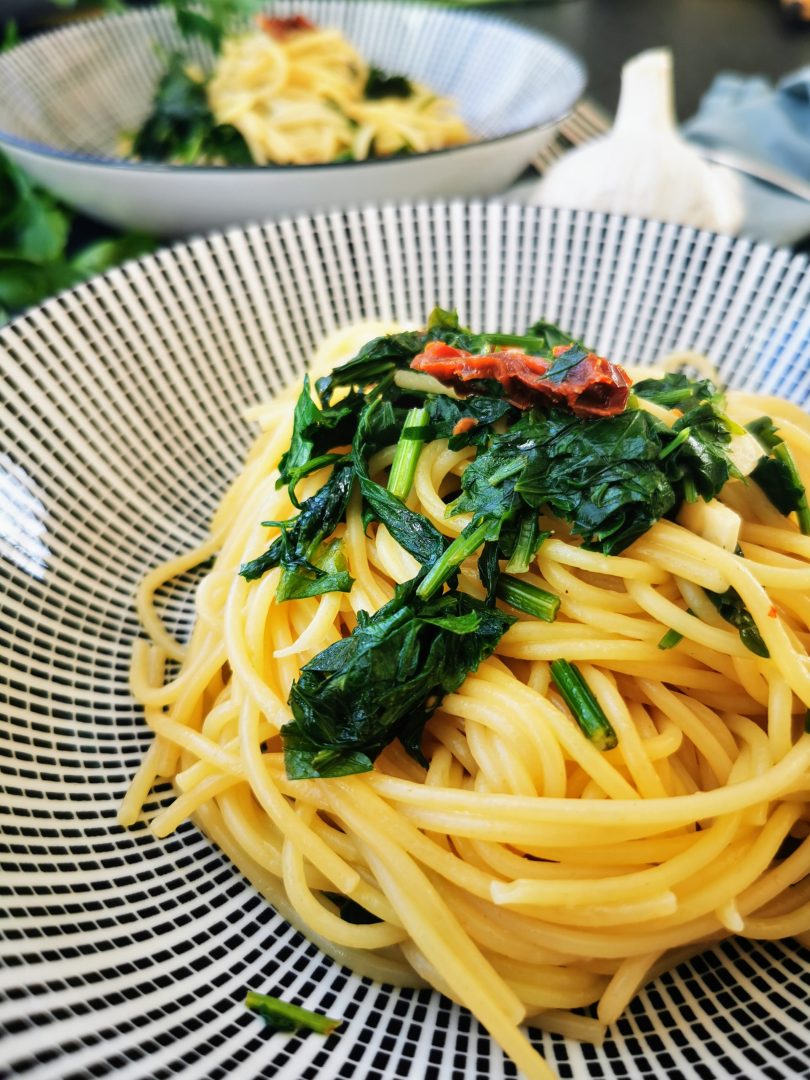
(643,166)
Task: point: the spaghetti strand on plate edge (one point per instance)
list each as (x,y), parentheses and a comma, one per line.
(518,868)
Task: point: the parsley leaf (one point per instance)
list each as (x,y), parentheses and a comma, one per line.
(181,127)
(380,84)
(385,681)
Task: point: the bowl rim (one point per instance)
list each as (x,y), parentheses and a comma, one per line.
(579,72)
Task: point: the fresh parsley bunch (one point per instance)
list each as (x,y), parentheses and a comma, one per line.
(37,258)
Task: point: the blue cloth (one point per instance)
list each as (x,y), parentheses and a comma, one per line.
(768,124)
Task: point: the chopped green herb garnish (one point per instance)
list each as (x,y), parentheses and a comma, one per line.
(579,698)
(777,473)
(528,598)
(380,84)
(465,544)
(283,1016)
(730,606)
(181,127)
(302,536)
(611,478)
(406,456)
(670,639)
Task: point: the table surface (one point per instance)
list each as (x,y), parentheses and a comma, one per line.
(706,36)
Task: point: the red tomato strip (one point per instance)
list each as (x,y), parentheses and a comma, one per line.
(282,28)
(593,387)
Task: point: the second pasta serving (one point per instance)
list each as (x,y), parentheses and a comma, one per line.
(509,654)
(290,93)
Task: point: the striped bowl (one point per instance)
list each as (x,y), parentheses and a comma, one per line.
(66,98)
(122,411)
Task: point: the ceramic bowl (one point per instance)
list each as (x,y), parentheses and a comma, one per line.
(66,97)
(122,407)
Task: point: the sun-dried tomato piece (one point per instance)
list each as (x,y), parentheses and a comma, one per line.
(592,386)
(282,28)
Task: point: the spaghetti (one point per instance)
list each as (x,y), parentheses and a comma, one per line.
(303,95)
(519,869)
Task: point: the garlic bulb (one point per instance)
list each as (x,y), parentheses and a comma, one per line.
(643,166)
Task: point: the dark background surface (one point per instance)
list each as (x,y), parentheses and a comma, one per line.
(706,36)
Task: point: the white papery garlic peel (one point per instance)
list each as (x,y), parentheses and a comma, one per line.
(643,166)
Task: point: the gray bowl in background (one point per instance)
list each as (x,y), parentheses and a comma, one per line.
(67,96)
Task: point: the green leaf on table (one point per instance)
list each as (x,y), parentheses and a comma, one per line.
(11,35)
(102,255)
(24,283)
(35,259)
(42,233)
(212,20)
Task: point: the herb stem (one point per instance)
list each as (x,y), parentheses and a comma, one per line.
(670,639)
(679,440)
(518,340)
(289,1017)
(406,456)
(526,545)
(783,454)
(579,698)
(464,545)
(527,597)
(690,491)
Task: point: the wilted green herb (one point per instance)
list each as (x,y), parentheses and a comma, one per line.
(385,680)
(580,699)
(181,127)
(611,478)
(283,1016)
(777,473)
(380,84)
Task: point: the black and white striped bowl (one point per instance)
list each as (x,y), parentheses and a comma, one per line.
(121,411)
(66,98)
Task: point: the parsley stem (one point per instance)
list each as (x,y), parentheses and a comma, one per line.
(670,639)
(782,453)
(579,698)
(527,597)
(406,456)
(679,440)
(526,545)
(289,1017)
(530,344)
(464,545)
